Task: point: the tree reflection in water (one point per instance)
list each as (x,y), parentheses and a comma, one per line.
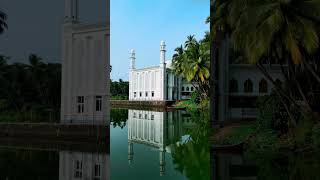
(192,157)
(119,117)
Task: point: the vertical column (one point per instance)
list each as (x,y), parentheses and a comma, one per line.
(71,10)
(75,10)
(163,72)
(68,10)
(130,152)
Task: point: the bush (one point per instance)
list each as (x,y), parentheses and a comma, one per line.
(272,114)
(316,136)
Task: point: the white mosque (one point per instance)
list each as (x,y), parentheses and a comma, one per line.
(83,165)
(85,68)
(157,83)
(158,130)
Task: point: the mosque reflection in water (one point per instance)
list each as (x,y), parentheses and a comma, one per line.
(83,165)
(158,130)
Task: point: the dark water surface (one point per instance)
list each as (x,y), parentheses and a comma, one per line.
(144,145)
(52,165)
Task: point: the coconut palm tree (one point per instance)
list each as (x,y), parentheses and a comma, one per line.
(3,24)
(282,31)
(192,62)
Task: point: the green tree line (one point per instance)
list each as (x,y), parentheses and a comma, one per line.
(29,91)
(119,90)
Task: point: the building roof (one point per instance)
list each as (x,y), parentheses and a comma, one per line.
(168,65)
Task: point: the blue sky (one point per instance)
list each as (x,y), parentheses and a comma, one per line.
(142,24)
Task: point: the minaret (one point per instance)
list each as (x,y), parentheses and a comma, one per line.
(163,71)
(71,11)
(130,152)
(131,69)
(132,59)
(162,53)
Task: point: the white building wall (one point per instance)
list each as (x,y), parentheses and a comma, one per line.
(85,69)
(241,73)
(154,80)
(82,165)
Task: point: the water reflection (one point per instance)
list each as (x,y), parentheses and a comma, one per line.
(154,142)
(266,165)
(29,163)
(83,165)
(159,130)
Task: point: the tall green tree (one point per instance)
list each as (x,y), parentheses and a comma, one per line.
(3,22)
(285,32)
(193,62)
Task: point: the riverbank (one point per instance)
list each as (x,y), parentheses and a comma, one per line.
(55,132)
(259,140)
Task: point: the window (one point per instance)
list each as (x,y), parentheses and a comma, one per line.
(152,93)
(80,104)
(263,86)
(191,88)
(134,115)
(187,88)
(98,103)
(145,116)
(140,94)
(140,116)
(78,169)
(97,172)
(248,86)
(152,117)
(182,89)
(146,94)
(233,86)
(135,94)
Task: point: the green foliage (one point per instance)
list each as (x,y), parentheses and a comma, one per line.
(316,137)
(29,90)
(188,104)
(272,115)
(264,142)
(119,117)
(277,29)
(119,90)
(303,131)
(237,134)
(192,158)
(193,63)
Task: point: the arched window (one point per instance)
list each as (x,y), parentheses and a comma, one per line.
(182,89)
(187,88)
(263,86)
(248,86)
(233,85)
(191,88)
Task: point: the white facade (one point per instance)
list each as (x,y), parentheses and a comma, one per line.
(85,68)
(83,165)
(157,83)
(240,85)
(159,130)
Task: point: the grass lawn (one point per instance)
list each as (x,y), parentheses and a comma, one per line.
(233,134)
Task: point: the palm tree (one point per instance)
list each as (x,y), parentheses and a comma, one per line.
(3,24)
(283,31)
(192,62)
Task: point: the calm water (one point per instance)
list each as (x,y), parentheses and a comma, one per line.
(156,145)
(152,145)
(266,166)
(52,165)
